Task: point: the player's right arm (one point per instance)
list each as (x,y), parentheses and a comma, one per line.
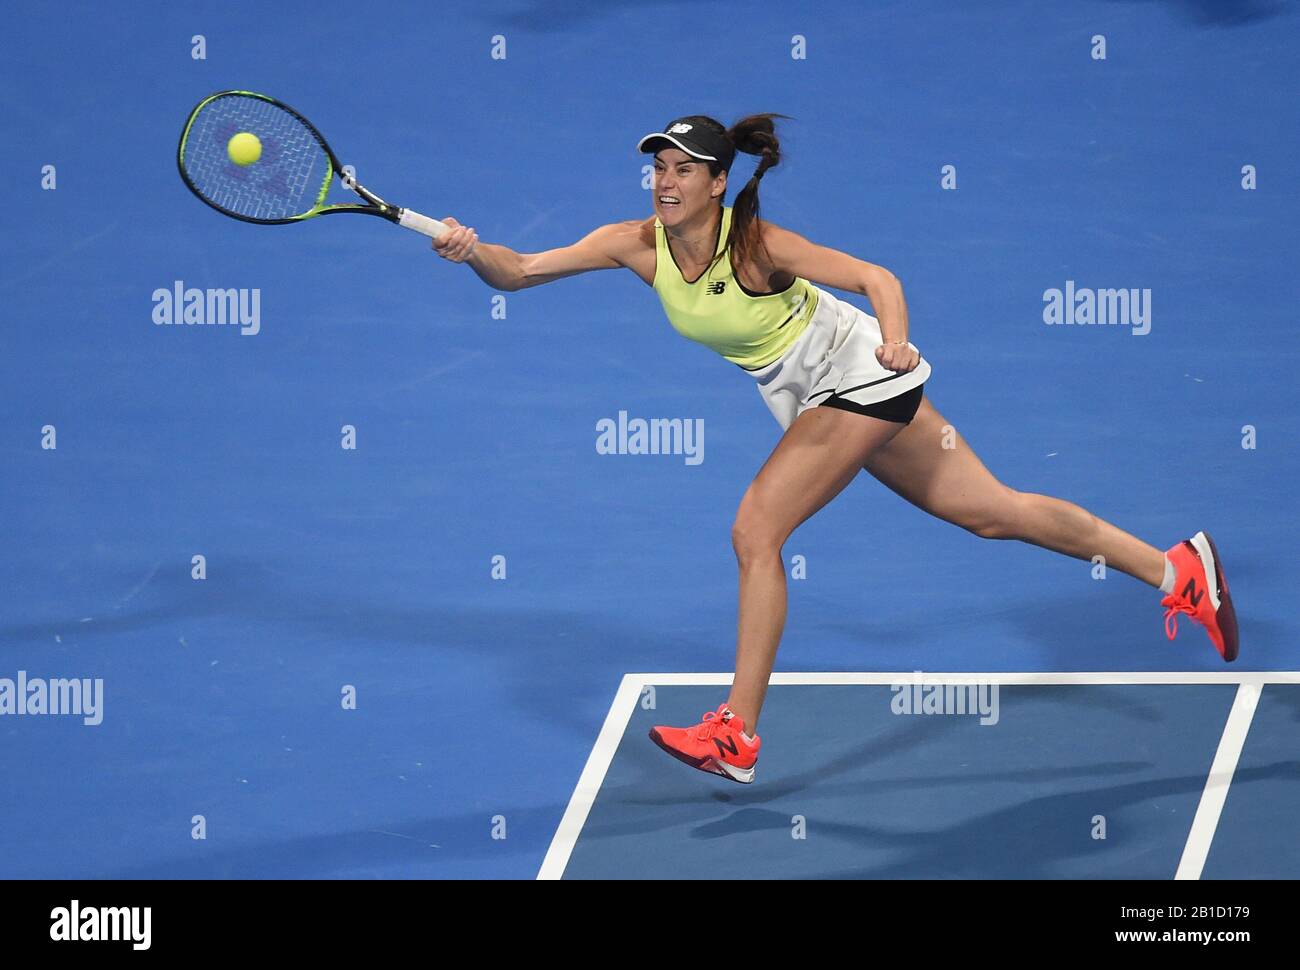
(501,268)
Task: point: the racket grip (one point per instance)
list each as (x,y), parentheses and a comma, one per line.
(410,219)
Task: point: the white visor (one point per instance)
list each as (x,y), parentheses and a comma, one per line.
(693,152)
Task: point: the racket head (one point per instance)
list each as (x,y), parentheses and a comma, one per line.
(288,182)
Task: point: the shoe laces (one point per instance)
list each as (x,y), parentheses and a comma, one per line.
(1175,605)
(708,726)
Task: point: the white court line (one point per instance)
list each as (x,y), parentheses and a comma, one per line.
(593,776)
(1002,678)
(1203,826)
(1217,784)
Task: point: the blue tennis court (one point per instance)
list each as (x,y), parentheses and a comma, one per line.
(350,589)
(914,776)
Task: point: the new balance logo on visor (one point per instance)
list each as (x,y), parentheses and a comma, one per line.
(680,128)
(715,288)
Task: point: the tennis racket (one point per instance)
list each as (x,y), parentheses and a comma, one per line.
(254,158)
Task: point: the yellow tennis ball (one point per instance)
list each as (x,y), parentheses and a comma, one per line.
(244,148)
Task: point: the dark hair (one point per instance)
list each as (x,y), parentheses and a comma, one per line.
(753,135)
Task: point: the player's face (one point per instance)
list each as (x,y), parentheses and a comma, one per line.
(683,187)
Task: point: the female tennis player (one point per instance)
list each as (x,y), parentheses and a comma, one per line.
(847,388)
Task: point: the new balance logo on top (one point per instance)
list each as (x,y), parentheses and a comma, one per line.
(715,288)
(1192,593)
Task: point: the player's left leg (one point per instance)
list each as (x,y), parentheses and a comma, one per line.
(931,465)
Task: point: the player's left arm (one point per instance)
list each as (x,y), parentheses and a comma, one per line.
(790,252)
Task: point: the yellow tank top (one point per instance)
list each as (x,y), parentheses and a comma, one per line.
(749,329)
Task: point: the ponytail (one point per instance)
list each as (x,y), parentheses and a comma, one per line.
(754,135)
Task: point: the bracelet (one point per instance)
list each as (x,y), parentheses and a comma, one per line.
(901,343)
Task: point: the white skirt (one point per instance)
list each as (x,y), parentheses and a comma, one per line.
(836,354)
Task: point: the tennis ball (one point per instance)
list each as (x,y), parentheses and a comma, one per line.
(244,148)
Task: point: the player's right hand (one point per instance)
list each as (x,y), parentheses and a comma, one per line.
(457,245)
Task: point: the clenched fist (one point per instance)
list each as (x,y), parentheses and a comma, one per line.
(898,357)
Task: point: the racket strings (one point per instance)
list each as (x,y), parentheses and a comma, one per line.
(291,177)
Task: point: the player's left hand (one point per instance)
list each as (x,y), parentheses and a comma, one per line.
(900,358)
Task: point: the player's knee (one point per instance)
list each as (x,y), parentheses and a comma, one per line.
(751,540)
(1000,520)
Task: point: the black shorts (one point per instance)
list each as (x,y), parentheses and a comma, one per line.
(902,408)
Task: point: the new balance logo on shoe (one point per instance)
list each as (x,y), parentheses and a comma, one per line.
(715,288)
(728,745)
(1192,593)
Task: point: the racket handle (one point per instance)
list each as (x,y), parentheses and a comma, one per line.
(410,219)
